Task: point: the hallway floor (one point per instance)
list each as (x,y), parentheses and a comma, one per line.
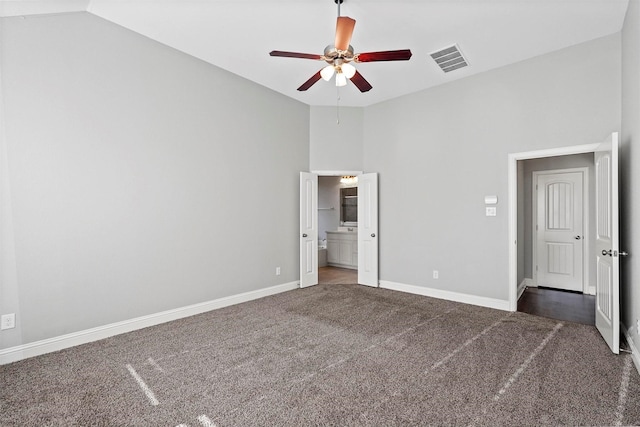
(560,305)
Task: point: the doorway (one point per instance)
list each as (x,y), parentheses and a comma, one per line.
(555,236)
(337,230)
(357,245)
(605,252)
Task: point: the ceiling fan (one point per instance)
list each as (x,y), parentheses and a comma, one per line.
(341,54)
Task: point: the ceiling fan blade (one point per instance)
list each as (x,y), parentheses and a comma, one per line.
(295,55)
(306,85)
(387,55)
(344,30)
(360,82)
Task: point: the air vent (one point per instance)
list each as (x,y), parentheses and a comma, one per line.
(449,58)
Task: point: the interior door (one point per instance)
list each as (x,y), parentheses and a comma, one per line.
(308,229)
(368,229)
(559,230)
(607,243)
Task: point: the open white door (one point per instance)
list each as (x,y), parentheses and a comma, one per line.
(607,243)
(308,229)
(368,229)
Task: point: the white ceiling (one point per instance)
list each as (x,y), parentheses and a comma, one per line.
(237,35)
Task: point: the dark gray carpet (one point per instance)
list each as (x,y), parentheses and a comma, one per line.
(332,355)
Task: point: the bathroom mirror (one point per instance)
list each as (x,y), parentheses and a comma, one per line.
(349,206)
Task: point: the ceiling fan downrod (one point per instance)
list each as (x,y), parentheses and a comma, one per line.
(338,2)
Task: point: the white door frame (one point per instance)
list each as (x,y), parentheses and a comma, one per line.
(512,183)
(585,224)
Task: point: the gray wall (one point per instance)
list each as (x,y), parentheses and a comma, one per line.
(630,171)
(440,151)
(139,179)
(336,146)
(526,215)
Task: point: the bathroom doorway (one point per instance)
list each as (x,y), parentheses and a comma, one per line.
(337,229)
(325,237)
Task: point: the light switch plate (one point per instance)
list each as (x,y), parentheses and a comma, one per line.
(491,210)
(8,321)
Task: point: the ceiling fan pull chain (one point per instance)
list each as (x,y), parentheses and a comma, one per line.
(338,105)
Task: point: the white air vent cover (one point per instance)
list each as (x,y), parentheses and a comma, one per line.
(449,58)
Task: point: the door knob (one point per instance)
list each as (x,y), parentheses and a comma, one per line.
(624,253)
(578,237)
(606,252)
(304,234)
(373,234)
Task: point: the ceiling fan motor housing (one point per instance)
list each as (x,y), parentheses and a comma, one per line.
(331,54)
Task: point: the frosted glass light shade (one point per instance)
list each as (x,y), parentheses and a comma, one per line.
(327,72)
(341,79)
(348,70)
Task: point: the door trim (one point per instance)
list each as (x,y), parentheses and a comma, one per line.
(585,223)
(512,189)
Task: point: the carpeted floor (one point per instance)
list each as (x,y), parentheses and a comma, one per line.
(332,355)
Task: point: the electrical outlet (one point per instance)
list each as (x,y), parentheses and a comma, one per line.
(277,271)
(436,274)
(8,321)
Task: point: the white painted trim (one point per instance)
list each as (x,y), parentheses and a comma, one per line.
(337,173)
(526,283)
(586,248)
(635,353)
(512,184)
(447,295)
(61,342)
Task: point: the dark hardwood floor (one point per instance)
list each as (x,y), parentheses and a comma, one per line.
(560,305)
(337,276)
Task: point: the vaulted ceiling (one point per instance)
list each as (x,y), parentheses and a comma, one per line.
(237,35)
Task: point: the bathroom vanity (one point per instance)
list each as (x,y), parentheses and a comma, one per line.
(342,249)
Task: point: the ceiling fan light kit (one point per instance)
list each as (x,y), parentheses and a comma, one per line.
(341,54)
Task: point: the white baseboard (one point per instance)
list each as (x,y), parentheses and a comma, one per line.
(526,283)
(447,295)
(61,342)
(635,356)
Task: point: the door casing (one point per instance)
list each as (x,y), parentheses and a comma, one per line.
(338,173)
(512,185)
